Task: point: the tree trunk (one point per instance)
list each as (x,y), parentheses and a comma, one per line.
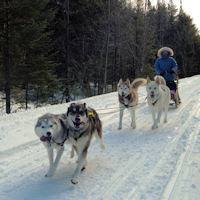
(107,50)
(7,62)
(26,95)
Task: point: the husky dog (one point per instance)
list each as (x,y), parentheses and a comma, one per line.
(52,131)
(128,98)
(158,98)
(83,124)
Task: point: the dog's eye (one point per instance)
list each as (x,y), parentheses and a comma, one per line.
(155,88)
(51,126)
(42,126)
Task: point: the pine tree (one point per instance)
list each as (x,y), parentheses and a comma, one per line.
(27,49)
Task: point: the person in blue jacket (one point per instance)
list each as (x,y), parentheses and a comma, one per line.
(166,66)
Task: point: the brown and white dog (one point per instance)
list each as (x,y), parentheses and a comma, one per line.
(158,98)
(84,123)
(128,98)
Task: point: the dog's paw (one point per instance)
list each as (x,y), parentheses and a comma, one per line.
(48,174)
(154,126)
(133,125)
(102,147)
(74,181)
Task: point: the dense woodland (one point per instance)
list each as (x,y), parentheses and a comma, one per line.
(53,50)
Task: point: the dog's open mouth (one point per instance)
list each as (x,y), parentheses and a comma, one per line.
(77,124)
(152,96)
(45,138)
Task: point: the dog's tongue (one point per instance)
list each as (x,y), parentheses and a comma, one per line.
(45,139)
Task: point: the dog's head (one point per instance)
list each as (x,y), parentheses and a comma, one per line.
(123,87)
(77,115)
(47,127)
(152,88)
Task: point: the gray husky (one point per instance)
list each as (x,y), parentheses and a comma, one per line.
(52,131)
(83,123)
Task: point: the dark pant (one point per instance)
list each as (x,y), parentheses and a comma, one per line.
(171,85)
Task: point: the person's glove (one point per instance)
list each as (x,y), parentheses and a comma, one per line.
(172,72)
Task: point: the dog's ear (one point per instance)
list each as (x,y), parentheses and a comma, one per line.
(70,108)
(128,81)
(86,110)
(148,80)
(120,82)
(157,80)
(38,123)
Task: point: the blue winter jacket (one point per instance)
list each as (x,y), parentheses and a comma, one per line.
(166,66)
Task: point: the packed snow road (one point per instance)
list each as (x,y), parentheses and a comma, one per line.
(136,164)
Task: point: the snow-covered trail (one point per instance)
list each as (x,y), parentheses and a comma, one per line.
(136,164)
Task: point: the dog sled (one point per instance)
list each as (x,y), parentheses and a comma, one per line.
(175,99)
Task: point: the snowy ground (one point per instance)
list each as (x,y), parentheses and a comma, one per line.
(136,164)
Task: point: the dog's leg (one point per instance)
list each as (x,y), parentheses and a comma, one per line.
(132,112)
(159,115)
(166,111)
(155,125)
(72,152)
(50,156)
(78,169)
(58,156)
(84,159)
(120,117)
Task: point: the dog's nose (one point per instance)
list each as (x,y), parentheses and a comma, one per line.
(77,119)
(48,134)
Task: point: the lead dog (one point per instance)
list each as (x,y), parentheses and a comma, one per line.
(83,124)
(158,98)
(52,131)
(128,98)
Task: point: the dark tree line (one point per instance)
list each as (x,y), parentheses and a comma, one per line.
(53,50)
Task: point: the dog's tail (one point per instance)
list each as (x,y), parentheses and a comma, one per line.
(138,82)
(160,80)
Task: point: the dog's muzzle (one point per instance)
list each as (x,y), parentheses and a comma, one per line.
(78,122)
(152,95)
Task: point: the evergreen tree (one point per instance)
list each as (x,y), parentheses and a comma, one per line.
(26,49)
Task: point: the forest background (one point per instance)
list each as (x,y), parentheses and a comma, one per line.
(55,51)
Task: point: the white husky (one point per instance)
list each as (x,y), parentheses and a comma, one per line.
(158,98)
(52,131)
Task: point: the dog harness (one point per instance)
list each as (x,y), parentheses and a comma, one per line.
(91,113)
(121,100)
(154,103)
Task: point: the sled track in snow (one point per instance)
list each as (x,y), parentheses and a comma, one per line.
(123,174)
(17,149)
(169,193)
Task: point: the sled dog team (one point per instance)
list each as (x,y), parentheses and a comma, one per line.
(80,123)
